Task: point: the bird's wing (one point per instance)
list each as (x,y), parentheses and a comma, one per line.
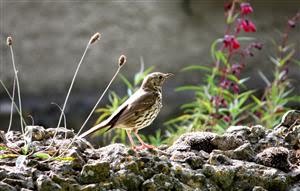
(129,111)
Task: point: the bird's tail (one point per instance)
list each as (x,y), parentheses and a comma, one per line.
(94,129)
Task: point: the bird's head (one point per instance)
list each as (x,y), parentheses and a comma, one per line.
(155,80)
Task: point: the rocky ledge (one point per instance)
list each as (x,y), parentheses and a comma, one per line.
(243,158)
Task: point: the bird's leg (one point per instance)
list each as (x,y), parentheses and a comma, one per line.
(144,145)
(130,139)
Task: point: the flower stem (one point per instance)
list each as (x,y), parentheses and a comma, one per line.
(12,106)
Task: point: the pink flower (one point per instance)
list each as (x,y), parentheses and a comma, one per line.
(258,45)
(219,101)
(235,88)
(292,23)
(236,69)
(227,6)
(246,25)
(225,84)
(231,42)
(246,8)
(227,118)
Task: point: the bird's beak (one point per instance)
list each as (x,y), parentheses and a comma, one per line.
(167,75)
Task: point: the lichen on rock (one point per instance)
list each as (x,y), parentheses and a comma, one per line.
(243,158)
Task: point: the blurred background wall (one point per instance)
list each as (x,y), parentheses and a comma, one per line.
(50,36)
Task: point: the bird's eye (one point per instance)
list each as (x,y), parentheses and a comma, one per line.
(160,77)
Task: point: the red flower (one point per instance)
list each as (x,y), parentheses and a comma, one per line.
(219,101)
(225,84)
(292,23)
(231,42)
(236,69)
(258,45)
(235,88)
(246,8)
(227,6)
(227,118)
(246,25)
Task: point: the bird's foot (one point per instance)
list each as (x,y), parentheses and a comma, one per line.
(144,146)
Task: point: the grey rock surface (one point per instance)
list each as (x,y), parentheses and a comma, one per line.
(196,161)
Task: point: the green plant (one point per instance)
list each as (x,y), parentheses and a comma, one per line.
(278,93)
(157,139)
(220,102)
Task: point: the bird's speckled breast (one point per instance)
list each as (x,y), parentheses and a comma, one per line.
(152,113)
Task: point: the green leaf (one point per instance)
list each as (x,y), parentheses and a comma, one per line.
(66,159)
(242,81)
(178,119)
(197,67)
(256,100)
(287,57)
(213,47)
(3,148)
(296,61)
(25,149)
(41,155)
(126,81)
(189,88)
(220,56)
(189,105)
(245,38)
(3,156)
(275,61)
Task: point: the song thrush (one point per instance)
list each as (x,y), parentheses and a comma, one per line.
(138,111)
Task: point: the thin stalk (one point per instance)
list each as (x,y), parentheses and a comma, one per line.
(92,40)
(12,106)
(64,115)
(9,43)
(98,101)
(71,85)
(65,125)
(122,61)
(10,96)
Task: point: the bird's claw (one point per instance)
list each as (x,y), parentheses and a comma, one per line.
(144,146)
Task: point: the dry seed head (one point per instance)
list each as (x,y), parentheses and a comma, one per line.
(9,41)
(95,37)
(122,60)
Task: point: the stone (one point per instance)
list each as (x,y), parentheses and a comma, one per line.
(293,136)
(217,158)
(222,175)
(128,180)
(94,172)
(38,132)
(44,183)
(65,183)
(258,188)
(243,158)
(78,161)
(19,183)
(162,182)
(227,142)
(6,187)
(276,157)
(239,131)
(244,152)
(113,153)
(194,141)
(2,137)
(290,118)
(61,133)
